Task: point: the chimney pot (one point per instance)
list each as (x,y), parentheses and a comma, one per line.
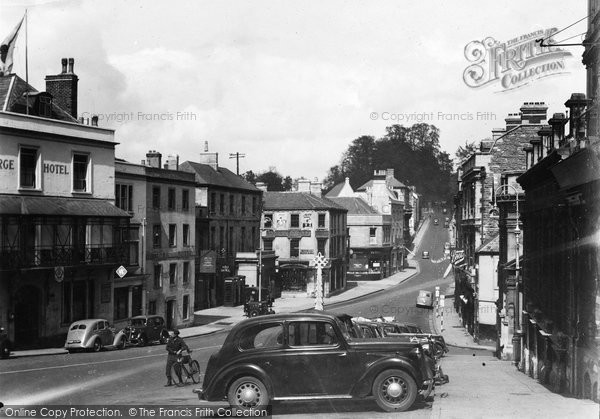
(143,162)
(71,64)
(64,65)
(95,120)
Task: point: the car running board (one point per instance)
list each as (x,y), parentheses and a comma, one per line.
(326,396)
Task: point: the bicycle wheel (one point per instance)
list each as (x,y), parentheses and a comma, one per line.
(178,374)
(195,371)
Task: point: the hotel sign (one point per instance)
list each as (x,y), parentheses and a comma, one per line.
(208,262)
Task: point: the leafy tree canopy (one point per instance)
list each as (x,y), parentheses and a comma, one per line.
(413,152)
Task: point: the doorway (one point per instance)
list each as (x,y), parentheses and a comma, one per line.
(170,314)
(27,316)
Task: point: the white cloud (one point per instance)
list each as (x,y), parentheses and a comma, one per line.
(290,84)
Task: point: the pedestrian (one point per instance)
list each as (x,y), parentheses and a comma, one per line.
(175,346)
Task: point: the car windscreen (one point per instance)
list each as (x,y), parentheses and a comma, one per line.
(138,322)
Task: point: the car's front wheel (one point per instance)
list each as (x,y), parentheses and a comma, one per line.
(394,390)
(253,312)
(97,347)
(248,393)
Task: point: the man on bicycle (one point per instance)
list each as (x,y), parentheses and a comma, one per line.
(175,346)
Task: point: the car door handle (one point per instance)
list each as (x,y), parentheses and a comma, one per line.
(342,355)
(268,364)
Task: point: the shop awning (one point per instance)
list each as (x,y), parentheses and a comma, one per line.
(41,205)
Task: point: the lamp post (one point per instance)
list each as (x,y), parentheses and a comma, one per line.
(517,333)
(320,262)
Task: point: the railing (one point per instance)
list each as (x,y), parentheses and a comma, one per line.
(49,256)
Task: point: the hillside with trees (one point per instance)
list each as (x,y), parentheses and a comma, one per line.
(413,152)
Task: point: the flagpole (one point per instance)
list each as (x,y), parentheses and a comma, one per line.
(26,67)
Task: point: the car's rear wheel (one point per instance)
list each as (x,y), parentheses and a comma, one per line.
(4,350)
(142,341)
(97,347)
(248,393)
(394,390)
(253,313)
(195,371)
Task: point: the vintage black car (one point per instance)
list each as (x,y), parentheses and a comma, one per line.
(145,329)
(307,356)
(256,305)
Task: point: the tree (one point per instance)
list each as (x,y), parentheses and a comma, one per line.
(413,152)
(250,177)
(272,179)
(465,151)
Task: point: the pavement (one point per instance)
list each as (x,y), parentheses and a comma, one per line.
(446,321)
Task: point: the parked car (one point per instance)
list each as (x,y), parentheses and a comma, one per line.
(425,254)
(5,344)
(425,299)
(436,221)
(146,329)
(253,307)
(306,356)
(369,329)
(93,334)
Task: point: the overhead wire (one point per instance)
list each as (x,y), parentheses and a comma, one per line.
(563,29)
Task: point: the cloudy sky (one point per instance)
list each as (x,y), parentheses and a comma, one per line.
(288,83)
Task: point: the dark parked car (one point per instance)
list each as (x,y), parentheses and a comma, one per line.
(5,344)
(145,329)
(307,356)
(253,306)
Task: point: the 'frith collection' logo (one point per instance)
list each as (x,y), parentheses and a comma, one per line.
(514,63)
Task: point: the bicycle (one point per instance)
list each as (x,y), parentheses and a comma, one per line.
(185,369)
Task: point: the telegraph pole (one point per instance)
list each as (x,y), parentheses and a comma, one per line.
(237,157)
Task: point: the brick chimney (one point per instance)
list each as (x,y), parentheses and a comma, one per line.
(316,187)
(512,121)
(557,122)
(63,87)
(173,162)
(154,158)
(577,104)
(533,113)
(497,133)
(303,185)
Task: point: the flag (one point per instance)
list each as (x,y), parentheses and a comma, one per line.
(6,50)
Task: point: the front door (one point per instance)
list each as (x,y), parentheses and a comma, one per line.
(27,305)
(170,314)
